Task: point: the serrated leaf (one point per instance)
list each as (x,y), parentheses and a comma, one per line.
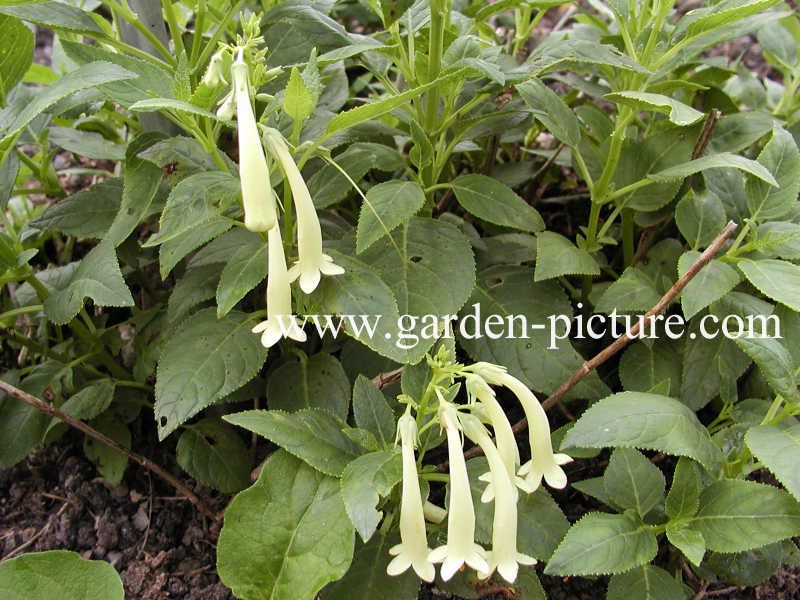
(632,292)
(364,481)
(170,104)
(171,252)
(21,425)
(58,574)
(140,182)
(298,102)
(286,536)
(197,285)
(738,131)
(779,239)
(700,217)
(557,256)
(715,161)
(494,202)
(777,279)
(530,354)
(647,582)
(676,111)
(716,17)
(778,41)
(632,481)
(737,515)
(245,270)
(603,544)
(551,110)
(782,158)
(54,15)
(372,412)
(683,499)
(110,463)
(89,213)
(87,76)
(292,29)
(97,277)
(16,54)
(367,577)
(212,452)
(644,366)
(709,285)
(313,435)
(85,405)
(645,421)
(688,541)
(775,363)
(187,155)
(204,360)
(86,143)
(778,450)
(386,206)
(316,382)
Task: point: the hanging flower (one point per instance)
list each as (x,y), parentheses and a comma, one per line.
(312,263)
(257,195)
(543,463)
(503,556)
(280,322)
(506,443)
(460,547)
(412,551)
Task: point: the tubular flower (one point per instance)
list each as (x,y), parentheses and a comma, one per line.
(506,444)
(461,547)
(412,551)
(543,463)
(312,263)
(257,195)
(503,556)
(280,320)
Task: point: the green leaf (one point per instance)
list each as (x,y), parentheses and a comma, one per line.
(632,481)
(775,363)
(89,213)
(245,270)
(494,202)
(203,361)
(197,285)
(386,206)
(314,436)
(715,161)
(777,279)
(174,250)
(140,182)
(192,202)
(85,405)
(778,41)
(21,426)
(286,536)
(551,111)
(603,544)
(645,421)
(54,15)
(58,574)
(110,463)
(782,158)
(531,354)
(16,54)
(738,131)
(541,523)
(632,292)
(170,104)
(372,412)
(752,567)
(85,77)
(328,186)
(298,102)
(97,277)
(645,583)
(364,482)
(683,499)
(778,450)
(737,515)
(316,382)
(293,29)
(709,285)
(186,155)
(86,143)
(557,256)
(779,239)
(688,541)
(644,366)
(724,13)
(151,80)
(677,112)
(367,577)
(213,453)
(700,217)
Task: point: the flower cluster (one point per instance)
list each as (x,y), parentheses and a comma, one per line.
(504,479)
(260,214)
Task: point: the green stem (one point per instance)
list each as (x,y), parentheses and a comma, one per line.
(22,310)
(435,50)
(172,22)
